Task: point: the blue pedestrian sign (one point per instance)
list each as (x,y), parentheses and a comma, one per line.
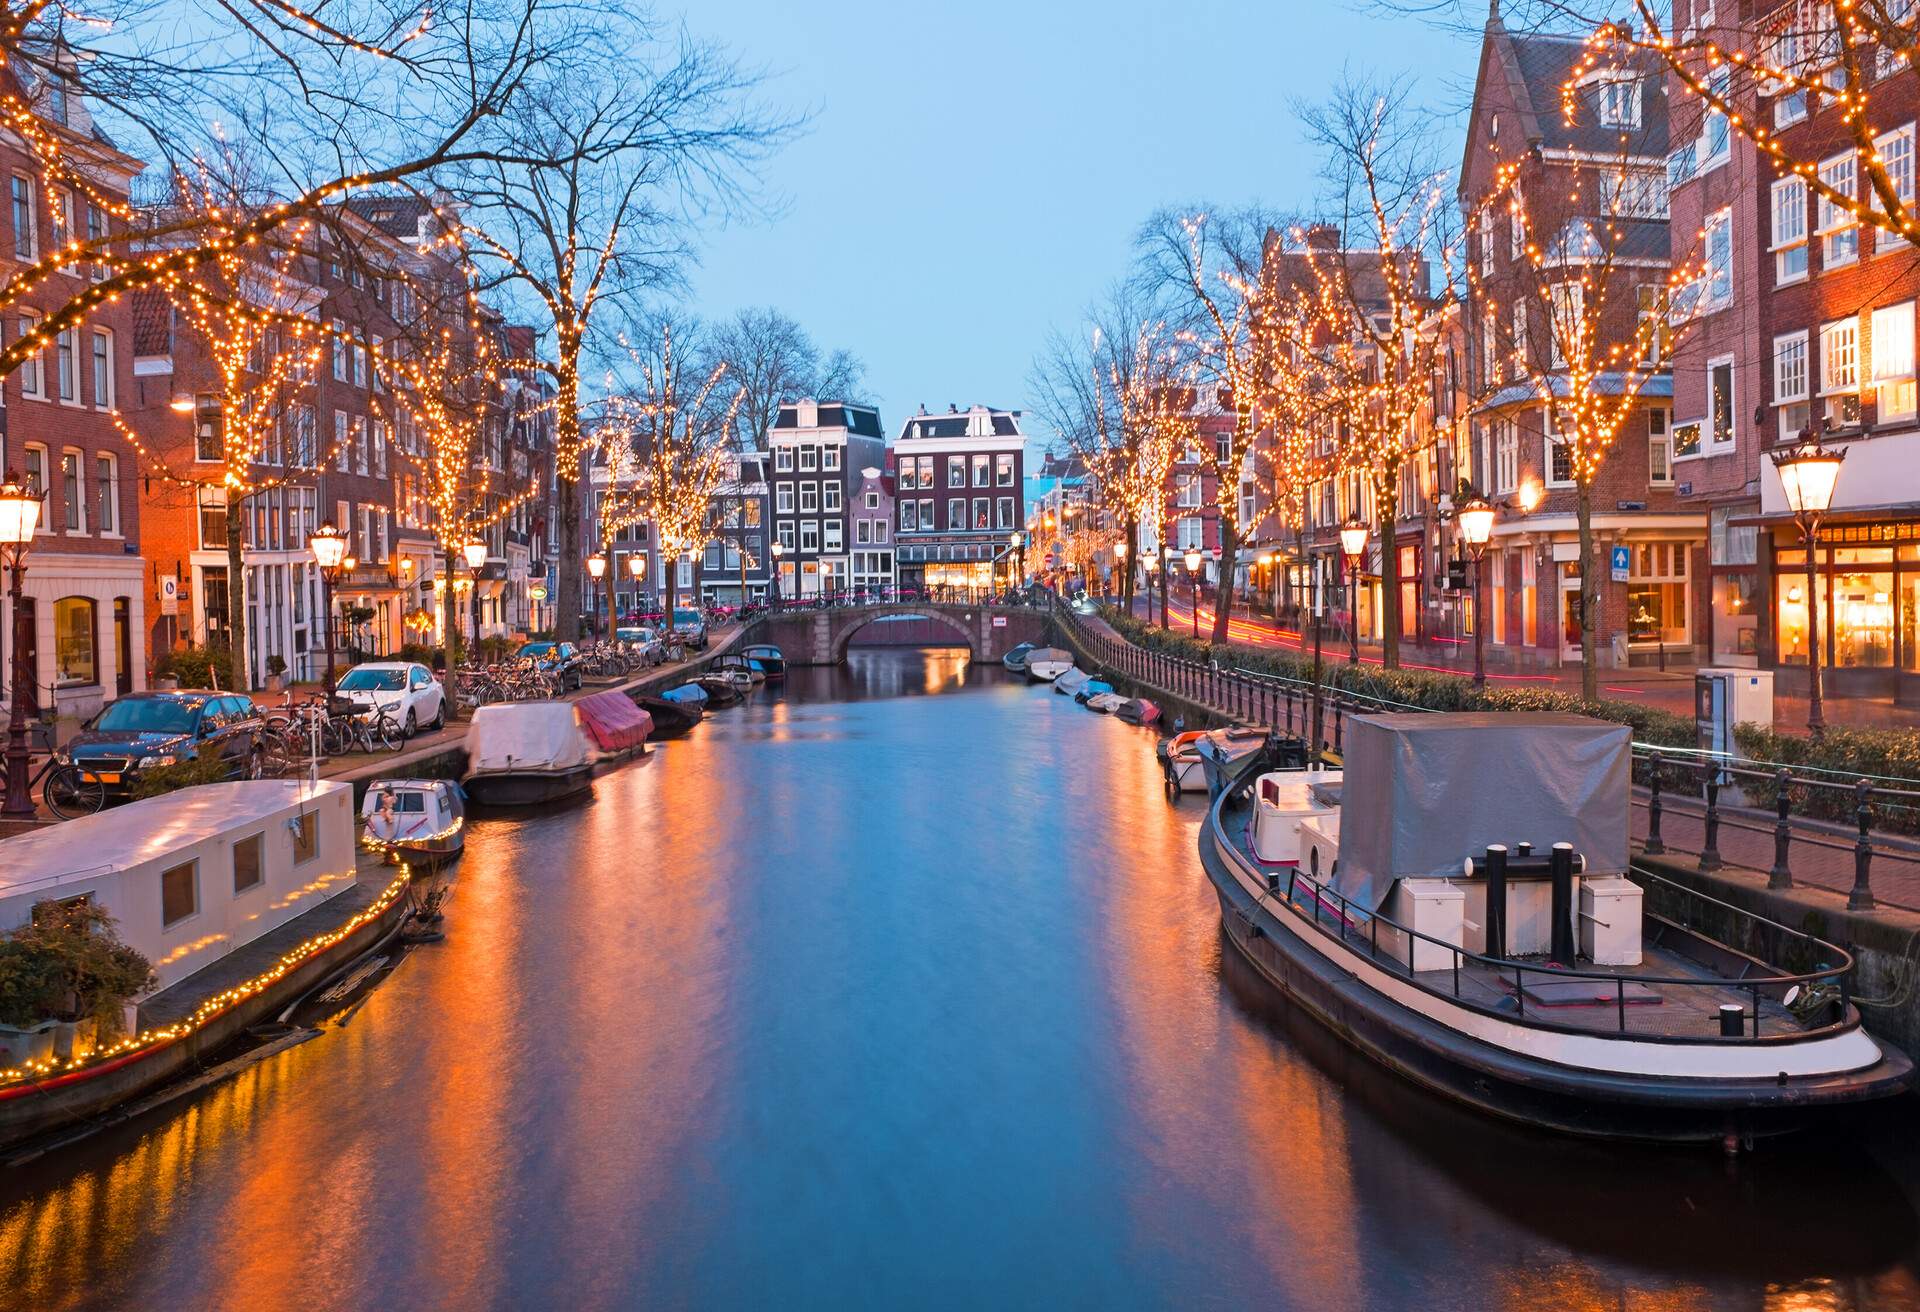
(1622,559)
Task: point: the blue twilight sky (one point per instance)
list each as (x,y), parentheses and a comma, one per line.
(974,172)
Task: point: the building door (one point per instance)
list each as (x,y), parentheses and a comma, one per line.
(122,647)
(1570,629)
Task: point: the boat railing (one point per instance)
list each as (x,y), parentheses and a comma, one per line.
(1817,813)
(1334,915)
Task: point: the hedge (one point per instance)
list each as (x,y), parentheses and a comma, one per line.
(1427,690)
(1883,757)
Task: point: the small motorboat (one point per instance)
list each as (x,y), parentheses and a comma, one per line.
(720,690)
(1071,681)
(673,716)
(1138,711)
(1106,703)
(1045,664)
(526,754)
(1016,660)
(1184,765)
(1092,688)
(687,694)
(419,821)
(768,660)
(737,669)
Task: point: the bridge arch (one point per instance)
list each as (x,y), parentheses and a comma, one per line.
(843,635)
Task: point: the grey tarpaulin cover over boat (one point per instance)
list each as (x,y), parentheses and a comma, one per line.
(1423,792)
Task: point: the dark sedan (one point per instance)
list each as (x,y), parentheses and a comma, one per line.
(148,730)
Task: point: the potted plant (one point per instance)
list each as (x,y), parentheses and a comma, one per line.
(68,972)
(276,673)
(163,678)
(29,980)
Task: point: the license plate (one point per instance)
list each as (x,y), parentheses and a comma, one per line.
(89,777)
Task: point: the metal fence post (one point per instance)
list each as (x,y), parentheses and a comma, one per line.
(1710,846)
(1655,845)
(1860,896)
(1781,876)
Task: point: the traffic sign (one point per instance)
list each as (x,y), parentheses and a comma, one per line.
(1622,560)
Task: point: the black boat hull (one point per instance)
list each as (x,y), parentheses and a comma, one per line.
(670,717)
(528,788)
(1515,1087)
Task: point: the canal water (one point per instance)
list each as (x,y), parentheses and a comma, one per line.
(900,989)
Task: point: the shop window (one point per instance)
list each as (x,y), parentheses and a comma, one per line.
(76,643)
(1657,594)
(1862,608)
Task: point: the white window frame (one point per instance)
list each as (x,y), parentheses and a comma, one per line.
(1710,442)
(33,371)
(94,358)
(1617,101)
(1892,342)
(783,460)
(1895,150)
(1835,224)
(74,508)
(1659,446)
(1712,273)
(1840,388)
(1547,443)
(830,496)
(831,534)
(1788,208)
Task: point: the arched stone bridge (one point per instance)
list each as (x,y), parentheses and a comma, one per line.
(819,636)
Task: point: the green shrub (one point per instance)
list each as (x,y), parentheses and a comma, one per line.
(198,667)
(1839,757)
(67,963)
(209,769)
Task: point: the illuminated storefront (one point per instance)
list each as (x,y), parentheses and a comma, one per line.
(1867,586)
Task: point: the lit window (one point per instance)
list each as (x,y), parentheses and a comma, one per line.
(1789,230)
(1840,371)
(1791,383)
(1893,362)
(1839,239)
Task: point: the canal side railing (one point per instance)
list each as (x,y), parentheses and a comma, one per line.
(1716,809)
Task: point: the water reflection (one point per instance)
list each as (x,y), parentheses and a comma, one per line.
(862,995)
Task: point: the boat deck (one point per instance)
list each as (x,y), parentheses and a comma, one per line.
(1524,988)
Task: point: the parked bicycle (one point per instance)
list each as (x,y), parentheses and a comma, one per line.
(67,790)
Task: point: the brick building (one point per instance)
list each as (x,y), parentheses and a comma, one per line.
(818,449)
(873,518)
(87,589)
(1593,189)
(959,478)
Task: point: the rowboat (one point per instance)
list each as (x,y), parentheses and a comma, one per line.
(1045,664)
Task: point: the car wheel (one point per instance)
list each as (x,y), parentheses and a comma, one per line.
(413,725)
(440,714)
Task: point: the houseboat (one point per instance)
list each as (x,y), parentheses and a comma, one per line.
(1458,903)
(526,753)
(243,896)
(419,821)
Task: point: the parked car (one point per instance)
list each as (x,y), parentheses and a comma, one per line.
(690,627)
(559,659)
(412,696)
(643,640)
(143,731)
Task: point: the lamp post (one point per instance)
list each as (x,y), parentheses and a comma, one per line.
(328,543)
(1120,562)
(597,570)
(636,570)
(1193,577)
(19,515)
(779,549)
(1353,545)
(475,552)
(1808,472)
(1150,563)
(1475,518)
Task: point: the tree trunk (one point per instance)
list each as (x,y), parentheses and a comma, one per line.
(237,593)
(1387,506)
(450,632)
(568,472)
(1223,581)
(1165,587)
(1589,601)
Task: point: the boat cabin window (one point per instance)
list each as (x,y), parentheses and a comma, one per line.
(306,837)
(249,870)
(179,892)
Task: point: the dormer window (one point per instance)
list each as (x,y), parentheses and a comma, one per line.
(1618,100)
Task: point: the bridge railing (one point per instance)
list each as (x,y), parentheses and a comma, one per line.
(939,595)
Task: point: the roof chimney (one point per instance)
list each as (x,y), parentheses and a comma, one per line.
(1323,237)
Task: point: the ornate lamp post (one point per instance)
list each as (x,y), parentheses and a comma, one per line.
(328,543)
(1353,546)
(19,515)
(1475,518)
(475,552)
(1120,562)
(1808,472)
(1017,543)
(597,570)
(1193,577)
(636,570)
(779,581)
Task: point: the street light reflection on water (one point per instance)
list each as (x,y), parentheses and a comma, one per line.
(901,987)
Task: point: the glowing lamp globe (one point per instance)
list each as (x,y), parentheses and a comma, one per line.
(1193,560)
(1475,517)
(328,545)
(636,565)
(1353,537)
(1119,551)
(597,566)
(1808,473)
(19,513)
(476,554)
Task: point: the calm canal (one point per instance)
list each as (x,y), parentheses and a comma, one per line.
(901,989)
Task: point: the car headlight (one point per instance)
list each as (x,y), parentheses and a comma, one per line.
(158,759)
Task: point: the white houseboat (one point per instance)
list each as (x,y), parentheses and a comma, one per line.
(1459,904)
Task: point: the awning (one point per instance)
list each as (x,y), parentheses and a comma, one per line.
(1657,387)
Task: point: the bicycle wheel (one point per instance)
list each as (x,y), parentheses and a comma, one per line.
(383,733)
(69,794)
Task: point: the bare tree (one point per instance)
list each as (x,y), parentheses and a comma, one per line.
(584,204)
(771,359)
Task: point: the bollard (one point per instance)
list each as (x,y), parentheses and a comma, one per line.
(1655,846)
(1860,896)
(1273,881)
(1560,871)
(1733,1020)
(1710,847)
(1497,900)
(1781,876)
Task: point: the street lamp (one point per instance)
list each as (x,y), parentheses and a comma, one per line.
(19,515)
(597,570)
(1475,518)
(1808,473)
(1193,577)
(1017,543)
(328,543)
(1353,545)
(779,582)
(1120,562)
(475,552)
